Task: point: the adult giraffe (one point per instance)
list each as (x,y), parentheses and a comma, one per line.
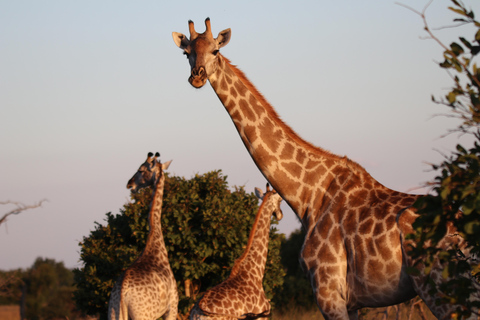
(241,295)
(147,289)
(354,246)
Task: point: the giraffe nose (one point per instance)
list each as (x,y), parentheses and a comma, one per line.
(198,77)
(131,185)
(198,72)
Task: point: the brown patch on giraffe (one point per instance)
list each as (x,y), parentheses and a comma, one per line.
(257,108)
(247,111)
(367,184)
(268,130)
(379,228)
(383,248)
(324,226)
(294,169)
(394,238)
(349,222)
(390,221)
(223,97)
(301,156)
(357,198)
(313,164)
(240,88)
(233,92)
(382,195)
(371,249)
(250,133)
(379,211)
(340,173)
(366,226)
(313,177)
(391,268)
(336,239)
(287,151)
(407,202)
(332,188)
(223,84)
(228,77)
(374,268)
(311,245)
(265,159)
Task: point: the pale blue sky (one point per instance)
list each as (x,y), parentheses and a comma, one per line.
(88,88)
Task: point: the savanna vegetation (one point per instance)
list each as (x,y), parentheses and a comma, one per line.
(206,225)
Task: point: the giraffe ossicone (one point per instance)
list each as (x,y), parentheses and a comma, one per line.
(241,295)
(355,252)
(147,289)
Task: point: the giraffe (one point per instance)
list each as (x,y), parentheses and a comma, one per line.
(241,295)
(354,252)
(147,289)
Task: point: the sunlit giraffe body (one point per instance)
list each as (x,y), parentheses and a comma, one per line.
(241,295)
(353,252)
(147,290)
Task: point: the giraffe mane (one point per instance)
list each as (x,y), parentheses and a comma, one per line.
(269,108)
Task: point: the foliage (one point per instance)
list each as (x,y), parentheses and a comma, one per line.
(45,290)
(205,227)
(457,187)
(10,283)
(296,292)
(49,288)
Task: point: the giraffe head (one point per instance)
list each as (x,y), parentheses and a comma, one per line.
(148,174)
(273,197)
(202,51)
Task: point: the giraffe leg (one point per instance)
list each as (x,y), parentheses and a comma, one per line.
(172,312)
(115,310)
(332,305)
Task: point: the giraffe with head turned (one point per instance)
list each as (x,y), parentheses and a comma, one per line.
(241,295)
(147,290)
(354,251)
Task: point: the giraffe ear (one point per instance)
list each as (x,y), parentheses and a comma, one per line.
(259,193)
(180,40)
(166,165)
(223,38)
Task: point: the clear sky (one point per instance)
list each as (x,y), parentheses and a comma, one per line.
(88,88)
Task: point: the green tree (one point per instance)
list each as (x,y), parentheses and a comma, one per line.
(49,289)
(457,186)
(296,292)
(205,226)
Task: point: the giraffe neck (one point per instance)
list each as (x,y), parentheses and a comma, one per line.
(155,250)
(299,171)
(254,258)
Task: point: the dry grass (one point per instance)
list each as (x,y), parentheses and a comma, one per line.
(297,314)
(412,310)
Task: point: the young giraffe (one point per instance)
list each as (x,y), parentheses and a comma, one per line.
(147,289)
(241,295)
(353,252)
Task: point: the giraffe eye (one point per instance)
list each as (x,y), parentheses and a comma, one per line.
(186,53)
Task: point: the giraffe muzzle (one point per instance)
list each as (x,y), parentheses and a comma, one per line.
(198,77)
(132,186)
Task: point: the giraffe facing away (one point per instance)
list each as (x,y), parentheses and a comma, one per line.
(147,290)
(354,252)
(241,295)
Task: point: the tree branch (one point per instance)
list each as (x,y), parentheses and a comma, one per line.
(20,208)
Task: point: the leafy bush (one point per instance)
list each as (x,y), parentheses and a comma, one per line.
(205,227)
